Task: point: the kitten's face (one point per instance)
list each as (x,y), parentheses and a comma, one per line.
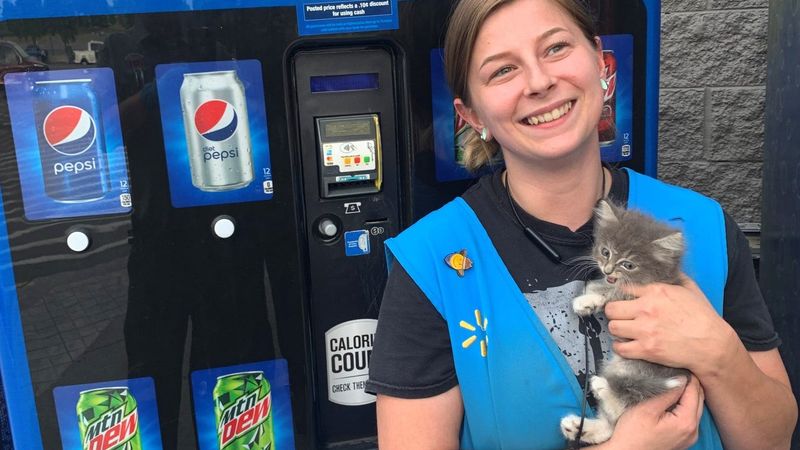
(631,247)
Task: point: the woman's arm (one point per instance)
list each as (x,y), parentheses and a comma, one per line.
(671,420)
(432,423)
(751,389)
(748,392)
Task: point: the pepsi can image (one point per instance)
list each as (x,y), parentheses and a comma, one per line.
(217,130)
(69,130)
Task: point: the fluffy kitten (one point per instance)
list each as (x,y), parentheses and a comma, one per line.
(629,248)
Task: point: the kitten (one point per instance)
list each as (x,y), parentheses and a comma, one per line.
(629,248)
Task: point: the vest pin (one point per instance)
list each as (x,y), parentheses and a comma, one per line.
(458,262)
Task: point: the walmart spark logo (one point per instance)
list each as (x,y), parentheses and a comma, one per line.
(480,330)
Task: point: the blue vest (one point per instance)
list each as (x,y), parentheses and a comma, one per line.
(515,383)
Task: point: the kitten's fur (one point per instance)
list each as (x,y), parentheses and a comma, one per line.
(629,248)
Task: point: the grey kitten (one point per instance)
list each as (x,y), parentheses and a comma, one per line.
(629,248)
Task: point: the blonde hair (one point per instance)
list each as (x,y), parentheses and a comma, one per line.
(465,23)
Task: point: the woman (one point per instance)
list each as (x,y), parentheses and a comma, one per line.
(477,346)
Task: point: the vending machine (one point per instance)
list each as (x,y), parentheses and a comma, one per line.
(194,197)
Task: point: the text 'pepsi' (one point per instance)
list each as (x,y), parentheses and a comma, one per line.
(217,130)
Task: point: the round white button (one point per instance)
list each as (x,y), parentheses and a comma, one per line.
(224,227)
(328,228)
(78,241)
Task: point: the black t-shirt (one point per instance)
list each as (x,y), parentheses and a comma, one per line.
(412,356)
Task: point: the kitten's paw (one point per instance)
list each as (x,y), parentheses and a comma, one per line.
(569,426)
(676,382)
(586,304)
(599,386)
(594,431)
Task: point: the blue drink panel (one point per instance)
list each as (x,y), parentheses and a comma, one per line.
(653,8)
(13,360)
(59,8)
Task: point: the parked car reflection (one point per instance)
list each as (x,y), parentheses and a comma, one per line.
(14,59)
(36,52)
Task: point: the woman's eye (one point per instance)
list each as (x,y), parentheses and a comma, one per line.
(556,48)
(502,71)
(605,252)
(627,265)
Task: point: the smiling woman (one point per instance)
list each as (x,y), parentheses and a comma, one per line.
(465,24)
(528,77)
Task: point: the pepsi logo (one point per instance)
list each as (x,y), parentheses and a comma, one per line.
(69,130)
(216,120)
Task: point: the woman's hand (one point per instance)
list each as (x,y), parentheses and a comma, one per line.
(654,425)
(673,325)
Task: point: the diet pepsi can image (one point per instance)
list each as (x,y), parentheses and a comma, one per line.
(217,130)
(72,149)
(607,128)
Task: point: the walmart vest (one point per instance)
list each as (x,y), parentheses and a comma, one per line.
(515,383)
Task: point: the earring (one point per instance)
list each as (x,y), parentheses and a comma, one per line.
(604,84)
(484,135)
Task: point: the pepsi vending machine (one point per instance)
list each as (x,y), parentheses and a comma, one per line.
(195,197)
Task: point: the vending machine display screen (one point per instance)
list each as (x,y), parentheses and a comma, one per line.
(350,154)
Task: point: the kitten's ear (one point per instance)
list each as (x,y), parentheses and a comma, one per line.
(669,246)
(605,212)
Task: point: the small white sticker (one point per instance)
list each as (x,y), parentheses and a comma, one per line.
(350,156)
(352,208)
(125,200)
(348,347)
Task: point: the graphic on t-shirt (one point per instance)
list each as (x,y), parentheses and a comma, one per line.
(553,306)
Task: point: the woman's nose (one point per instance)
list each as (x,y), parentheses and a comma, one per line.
(539,79)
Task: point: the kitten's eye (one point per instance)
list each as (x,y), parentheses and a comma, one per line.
(627,265)
(604,251)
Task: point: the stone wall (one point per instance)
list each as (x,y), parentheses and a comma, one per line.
(713,86)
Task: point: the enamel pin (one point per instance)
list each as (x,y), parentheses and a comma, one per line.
(458,262)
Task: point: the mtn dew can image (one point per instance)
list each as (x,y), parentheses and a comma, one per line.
(243,410)
(217,130)
(108,419)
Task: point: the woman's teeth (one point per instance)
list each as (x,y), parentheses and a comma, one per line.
(551,115)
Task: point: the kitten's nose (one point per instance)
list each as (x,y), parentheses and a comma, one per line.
(608,269)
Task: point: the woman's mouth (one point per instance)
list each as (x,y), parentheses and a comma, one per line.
(549,116)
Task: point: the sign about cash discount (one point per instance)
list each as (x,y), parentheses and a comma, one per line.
(348,347)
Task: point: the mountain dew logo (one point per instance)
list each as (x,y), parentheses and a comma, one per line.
(108,419)
(243,409)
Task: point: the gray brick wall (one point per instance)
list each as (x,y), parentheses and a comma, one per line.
(713,76)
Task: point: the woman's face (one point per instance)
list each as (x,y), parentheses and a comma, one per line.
(534,83)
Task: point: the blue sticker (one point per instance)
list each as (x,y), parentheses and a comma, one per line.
(118,427)
(331,17)
(68,143)
(356,243)
(215,132)
(448,127)
(616,121)
(279,405)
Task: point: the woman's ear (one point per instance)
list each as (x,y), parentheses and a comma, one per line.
(601,65)
(468,114)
